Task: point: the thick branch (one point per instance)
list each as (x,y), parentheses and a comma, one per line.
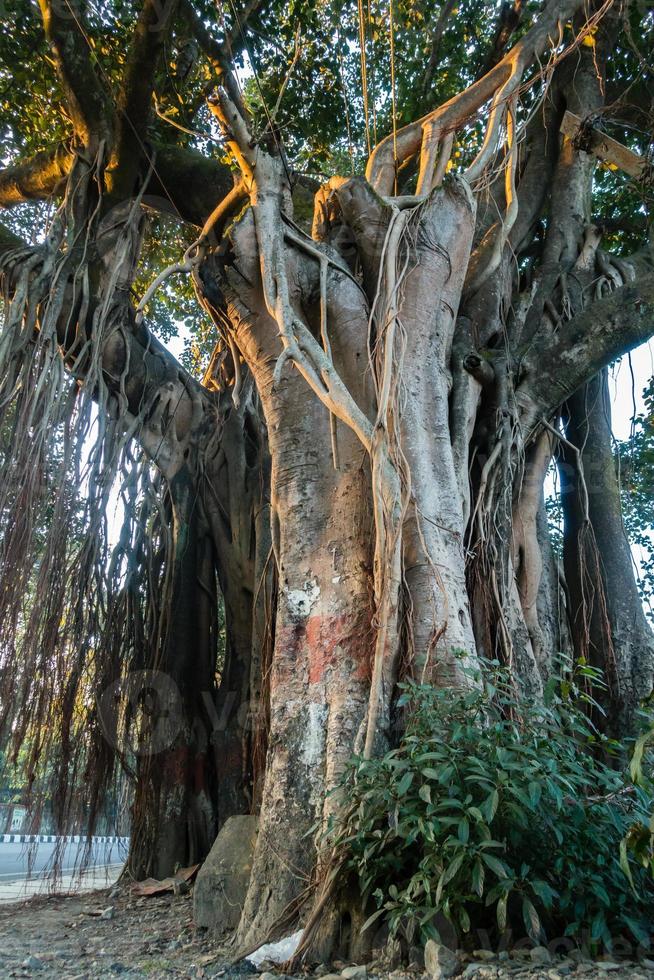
(87,102)
(591,340)
(381,165)
(220,53)
(135,98)
(37,178)
(184,183)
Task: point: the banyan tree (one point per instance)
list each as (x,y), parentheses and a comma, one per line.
(408,241)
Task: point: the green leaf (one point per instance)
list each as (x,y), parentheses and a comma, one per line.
(373,918)
(425,792)
(501,911)
(530,919)
(544,892)
(404,783)
(534,790)
(494,864)
(624,863)
(464,830)
(490,804)
(448,874)
(430,773)
(478,875)
(635,767)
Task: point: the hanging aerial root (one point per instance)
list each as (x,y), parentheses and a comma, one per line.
(75,603)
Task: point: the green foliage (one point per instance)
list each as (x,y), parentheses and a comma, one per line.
(495,812)
(639,839)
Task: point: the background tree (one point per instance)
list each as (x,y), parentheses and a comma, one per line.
(359,470)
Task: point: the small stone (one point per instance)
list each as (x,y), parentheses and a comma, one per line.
(649,964)
(267,976)
(503,955)
(606,966)
(440,962)
(540,955)
(483,954)
(471,970)
(355,973)
(327,976)
(240,968)
(108,913)
(33,963)
(321,970)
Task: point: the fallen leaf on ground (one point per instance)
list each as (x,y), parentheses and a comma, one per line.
(154,886)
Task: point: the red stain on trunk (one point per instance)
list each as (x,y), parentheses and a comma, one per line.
(323,643)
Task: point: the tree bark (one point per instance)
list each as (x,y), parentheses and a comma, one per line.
(179,780)
(606,612)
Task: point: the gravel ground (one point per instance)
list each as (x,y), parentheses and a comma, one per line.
(111,933)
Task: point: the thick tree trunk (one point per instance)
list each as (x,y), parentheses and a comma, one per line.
(434,564)
(321,530)
(606,612)
(175,807)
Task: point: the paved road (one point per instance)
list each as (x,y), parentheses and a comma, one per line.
(21,861)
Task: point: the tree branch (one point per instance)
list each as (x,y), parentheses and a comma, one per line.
(407,141)
(135,97)
(87,102)
(37,178)
(221,53)
(605,330)
(184,183)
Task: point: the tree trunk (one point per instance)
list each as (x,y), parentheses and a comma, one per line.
(178,784)
(606,612)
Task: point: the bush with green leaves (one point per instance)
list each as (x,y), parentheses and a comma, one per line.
(496,812)
(638,842)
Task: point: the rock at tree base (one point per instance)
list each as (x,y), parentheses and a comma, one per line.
(440,962)
(223,879)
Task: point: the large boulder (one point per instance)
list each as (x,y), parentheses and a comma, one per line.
(223,879)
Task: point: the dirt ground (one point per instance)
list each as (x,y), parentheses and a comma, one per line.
(111,933)
(66,936)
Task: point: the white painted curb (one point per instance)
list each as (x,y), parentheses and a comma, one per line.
(54,839)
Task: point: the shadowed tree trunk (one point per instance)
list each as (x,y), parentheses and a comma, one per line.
(608,623)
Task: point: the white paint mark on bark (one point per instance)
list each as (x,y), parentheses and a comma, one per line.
(314,738)
(301,601)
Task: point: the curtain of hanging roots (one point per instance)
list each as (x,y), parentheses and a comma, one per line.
(76,609)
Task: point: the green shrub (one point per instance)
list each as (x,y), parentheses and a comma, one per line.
(496,812)
(639,839)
